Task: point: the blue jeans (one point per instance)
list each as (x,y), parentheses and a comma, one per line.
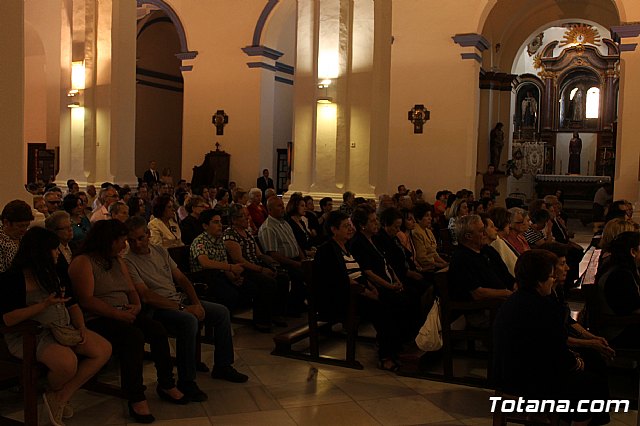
(185,327)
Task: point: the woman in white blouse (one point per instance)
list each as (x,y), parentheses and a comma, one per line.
(164,229)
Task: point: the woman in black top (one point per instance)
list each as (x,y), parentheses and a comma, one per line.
(618,285)
(34,290)
(395,303)
(296,208)
(531,356)
(336,272)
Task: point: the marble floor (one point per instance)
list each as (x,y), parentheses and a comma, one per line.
(279,392)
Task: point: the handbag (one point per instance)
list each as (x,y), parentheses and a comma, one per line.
(429,338)
(66,335)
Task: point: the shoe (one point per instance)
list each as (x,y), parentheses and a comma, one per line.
(67,410)
(229,374)
(162,393)
(140,418)
(388,364)
(192,391)
(54,408)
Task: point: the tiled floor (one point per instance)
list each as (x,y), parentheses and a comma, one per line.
(278,393)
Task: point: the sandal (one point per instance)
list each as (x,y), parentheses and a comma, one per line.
(389,364)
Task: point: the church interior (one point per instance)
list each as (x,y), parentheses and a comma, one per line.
(330,96)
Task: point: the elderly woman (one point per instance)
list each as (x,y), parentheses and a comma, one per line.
(268,288)
(336,272)
(257,211)
(60,224)
(164,229)
(531,356)
(501,219)
(518,225)
(119,211)
(111,303)
(34,290)
(377,271)
(427,257)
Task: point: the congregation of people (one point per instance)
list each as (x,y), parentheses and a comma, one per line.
(101,262)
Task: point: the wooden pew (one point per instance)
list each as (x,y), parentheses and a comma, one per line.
(450,311)
(284,341)
(25,373)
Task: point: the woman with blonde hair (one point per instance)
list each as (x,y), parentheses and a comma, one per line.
(458,209)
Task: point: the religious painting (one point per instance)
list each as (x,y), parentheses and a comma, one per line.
(527,114)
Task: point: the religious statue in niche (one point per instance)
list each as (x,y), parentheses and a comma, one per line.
(577,106)
(529,109)
(496,142)
(575,148)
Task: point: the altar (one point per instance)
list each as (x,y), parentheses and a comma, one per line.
(573,187)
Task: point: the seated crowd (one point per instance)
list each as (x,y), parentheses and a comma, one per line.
(99,262)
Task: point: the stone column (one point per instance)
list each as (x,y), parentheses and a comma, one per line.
(332,136)
(123,93)
(627,176)
(12,148)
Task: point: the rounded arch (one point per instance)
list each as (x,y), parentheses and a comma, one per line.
(185,53)
(509,23)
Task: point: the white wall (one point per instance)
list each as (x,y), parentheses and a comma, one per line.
(587,157)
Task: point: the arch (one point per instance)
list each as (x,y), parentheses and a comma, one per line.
(262,20)
(185,53)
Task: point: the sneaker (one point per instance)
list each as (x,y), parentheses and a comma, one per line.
(229,374)
(67,410)
(192,391)
(54,408)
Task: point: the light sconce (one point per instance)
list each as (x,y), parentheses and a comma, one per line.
(77,82)
(77,75)
(323,91)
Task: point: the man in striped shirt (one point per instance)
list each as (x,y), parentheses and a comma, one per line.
(278,241)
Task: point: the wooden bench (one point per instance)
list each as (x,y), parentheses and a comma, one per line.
(25,373)
(450,311)
(284,341)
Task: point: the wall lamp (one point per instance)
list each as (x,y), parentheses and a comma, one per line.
(77,82)
(323,89)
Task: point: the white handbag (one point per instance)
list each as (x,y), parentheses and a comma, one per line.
(429,338)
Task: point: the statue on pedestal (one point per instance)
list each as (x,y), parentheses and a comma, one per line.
(496,143)
(575,148)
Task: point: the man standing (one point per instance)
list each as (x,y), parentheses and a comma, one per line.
(264,182)
(153,272)
(151,176)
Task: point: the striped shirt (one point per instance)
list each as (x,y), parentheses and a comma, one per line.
(277,235)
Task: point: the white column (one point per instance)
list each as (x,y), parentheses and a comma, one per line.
(123,92)
(333,139)
(628,149)
(12,147)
